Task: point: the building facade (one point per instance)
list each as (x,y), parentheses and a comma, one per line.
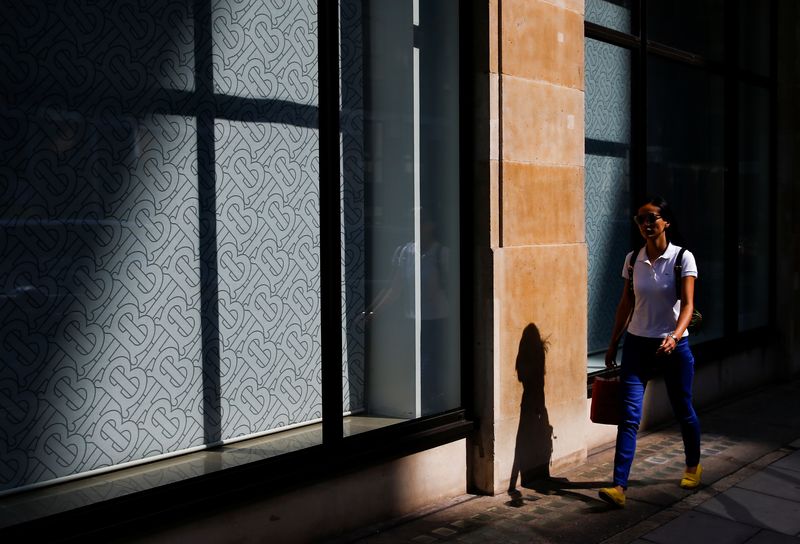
(278,270)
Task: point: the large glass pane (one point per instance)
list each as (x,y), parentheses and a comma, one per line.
(607,189)
(685,164)
(402,246)
(615,14)
(696,27)
(159,280)
(100,279)
(267,215)
(754,185)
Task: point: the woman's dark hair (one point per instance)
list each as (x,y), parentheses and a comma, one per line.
(661,203)
(668,214)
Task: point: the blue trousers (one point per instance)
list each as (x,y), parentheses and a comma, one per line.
(639,364)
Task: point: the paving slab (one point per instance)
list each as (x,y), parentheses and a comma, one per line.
(771,537)
(756,509)
(790,462)
(745,446)
(775,481)
(699,528)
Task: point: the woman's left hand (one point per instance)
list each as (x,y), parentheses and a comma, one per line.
(667,346)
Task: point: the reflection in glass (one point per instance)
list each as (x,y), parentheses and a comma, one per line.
(607,189)
(401,245)
(753,206)
(685,164)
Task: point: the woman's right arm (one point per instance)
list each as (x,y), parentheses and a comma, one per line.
(620,323)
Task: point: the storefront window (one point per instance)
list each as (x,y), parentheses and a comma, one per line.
(699,134)
(607,185)
(685,162)
(753,231)
(160,287)
(100,280)
(405,162)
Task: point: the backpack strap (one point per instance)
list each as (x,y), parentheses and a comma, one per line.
(631,262)
(678,271)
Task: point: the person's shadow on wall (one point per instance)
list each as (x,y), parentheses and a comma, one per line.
(534,444)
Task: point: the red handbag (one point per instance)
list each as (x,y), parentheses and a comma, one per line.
(606,401)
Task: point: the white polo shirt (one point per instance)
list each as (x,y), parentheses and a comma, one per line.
(656,310)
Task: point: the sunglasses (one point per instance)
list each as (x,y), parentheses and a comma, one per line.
(648,218)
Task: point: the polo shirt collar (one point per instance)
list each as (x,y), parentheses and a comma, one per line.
(671,250)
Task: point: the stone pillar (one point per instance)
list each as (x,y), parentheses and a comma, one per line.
(533,414)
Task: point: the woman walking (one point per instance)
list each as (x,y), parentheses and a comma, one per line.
(656,342)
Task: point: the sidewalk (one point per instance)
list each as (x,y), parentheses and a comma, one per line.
(750,492)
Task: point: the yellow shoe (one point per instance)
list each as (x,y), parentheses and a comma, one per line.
(613,496)
(691,481)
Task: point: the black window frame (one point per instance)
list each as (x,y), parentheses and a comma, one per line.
(144,512)
(641,48)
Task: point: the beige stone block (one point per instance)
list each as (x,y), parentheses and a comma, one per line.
(568,419)
(494,36)
(542,41)
(545,286)
(554,419)
(541,349)
(519,451)
(511,386)
(566,363)
(494,203)
(532,447)
(577,6)
(542,123)
(505,440)
(542,204)
(494,117)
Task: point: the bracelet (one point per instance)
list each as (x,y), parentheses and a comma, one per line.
(672,335)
